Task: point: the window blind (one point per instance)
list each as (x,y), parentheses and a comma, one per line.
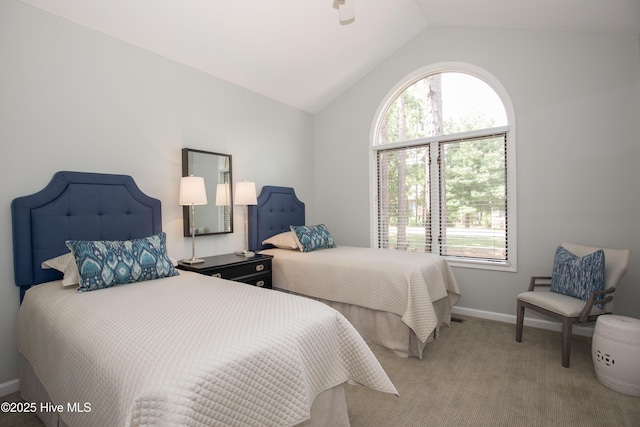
(467,198)
(473,198)
(404,208)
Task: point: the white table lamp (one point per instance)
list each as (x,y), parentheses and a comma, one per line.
(245,195)
(192,193)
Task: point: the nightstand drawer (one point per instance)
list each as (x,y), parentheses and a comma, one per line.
(259,280)
(235,272)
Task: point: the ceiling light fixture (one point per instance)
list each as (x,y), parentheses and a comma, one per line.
(346,11)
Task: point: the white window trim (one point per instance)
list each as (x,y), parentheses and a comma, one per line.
(404,83)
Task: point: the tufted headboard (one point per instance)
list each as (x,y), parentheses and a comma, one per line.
(277,209)
(77,206)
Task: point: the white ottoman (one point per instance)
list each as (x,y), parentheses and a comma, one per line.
(615,349)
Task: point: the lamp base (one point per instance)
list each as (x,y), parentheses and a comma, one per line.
(192,261)
(246,254)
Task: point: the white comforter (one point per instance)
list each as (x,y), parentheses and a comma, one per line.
(189,350)
(404,283)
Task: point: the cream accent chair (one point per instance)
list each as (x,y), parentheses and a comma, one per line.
(570,310)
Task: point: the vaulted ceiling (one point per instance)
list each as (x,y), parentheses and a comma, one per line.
(296,51)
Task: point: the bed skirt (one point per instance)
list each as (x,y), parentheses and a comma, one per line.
(328,409)
(387,330)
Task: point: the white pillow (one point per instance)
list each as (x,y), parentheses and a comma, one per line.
(286,240)
(65,264)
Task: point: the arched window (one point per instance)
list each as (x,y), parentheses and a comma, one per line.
(444,168)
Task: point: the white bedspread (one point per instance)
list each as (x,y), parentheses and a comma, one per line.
(405,283)
(189,350)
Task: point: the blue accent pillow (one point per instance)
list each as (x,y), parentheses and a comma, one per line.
(577,276)
(103,263)
(313,237)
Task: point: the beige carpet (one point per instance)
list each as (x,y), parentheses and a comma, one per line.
(476,375)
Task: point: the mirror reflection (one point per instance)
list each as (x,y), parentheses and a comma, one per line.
(214,217)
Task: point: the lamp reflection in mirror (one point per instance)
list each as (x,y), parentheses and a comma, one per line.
(222,195)
(245,195)
(192,193)
(223,201)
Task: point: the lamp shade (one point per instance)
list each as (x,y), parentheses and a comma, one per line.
(245,193)
(192,191)
(222,195)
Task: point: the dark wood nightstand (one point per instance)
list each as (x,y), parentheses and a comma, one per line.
(254,271)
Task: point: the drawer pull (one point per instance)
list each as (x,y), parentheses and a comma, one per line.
(216,275)
(259,267)
(260,283)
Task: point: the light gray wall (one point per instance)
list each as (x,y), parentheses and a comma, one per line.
(577,104)
(74,99)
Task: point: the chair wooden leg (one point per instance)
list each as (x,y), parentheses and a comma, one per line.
(519,321)
(567,325)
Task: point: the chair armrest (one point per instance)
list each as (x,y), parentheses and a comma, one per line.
(584,314)
(539,281)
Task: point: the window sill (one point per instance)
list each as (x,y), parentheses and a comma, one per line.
(481,264)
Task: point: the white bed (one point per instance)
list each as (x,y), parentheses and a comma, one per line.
(189,350)
(396,300)
(181,350)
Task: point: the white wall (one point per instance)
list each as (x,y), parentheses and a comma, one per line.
(577,104)
(74,99)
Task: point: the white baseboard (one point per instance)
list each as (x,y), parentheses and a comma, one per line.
(586,331)
(9,387)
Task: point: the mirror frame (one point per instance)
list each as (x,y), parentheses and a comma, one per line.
(211,193)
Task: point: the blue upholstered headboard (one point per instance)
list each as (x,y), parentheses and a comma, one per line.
(78,206)
(277,209)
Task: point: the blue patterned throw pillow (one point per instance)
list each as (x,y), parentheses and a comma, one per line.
(577,276)
(313,237)
(104,263)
